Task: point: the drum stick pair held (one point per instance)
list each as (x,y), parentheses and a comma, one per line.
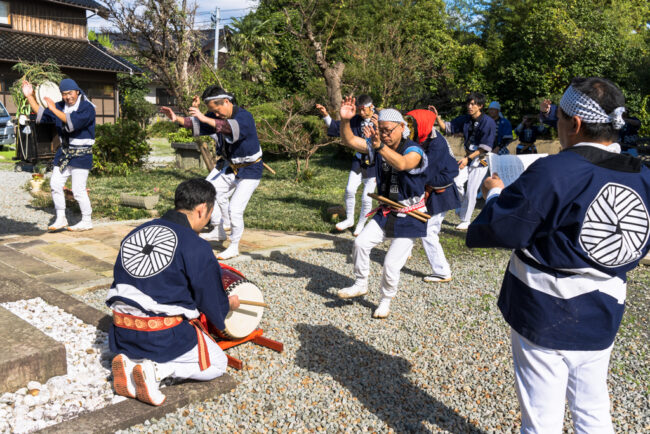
(396,206)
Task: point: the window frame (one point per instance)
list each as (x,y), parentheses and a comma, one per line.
(7,4)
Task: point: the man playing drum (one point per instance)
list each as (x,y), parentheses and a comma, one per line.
(165,275)
(578,221)
(74,117)
(401,165)
(235,134)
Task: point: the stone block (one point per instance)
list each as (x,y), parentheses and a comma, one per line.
(25,263)
(28,354)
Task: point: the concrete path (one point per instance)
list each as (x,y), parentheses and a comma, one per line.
(76,262)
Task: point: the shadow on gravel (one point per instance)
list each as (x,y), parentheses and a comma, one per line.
(10,226)
(322,280)
(376,379)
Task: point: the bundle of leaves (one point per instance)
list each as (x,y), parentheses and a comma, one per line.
(35,73)
(119,147)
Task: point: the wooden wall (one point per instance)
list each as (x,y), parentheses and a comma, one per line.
(46,18)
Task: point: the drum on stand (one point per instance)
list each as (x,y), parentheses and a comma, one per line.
(242,321)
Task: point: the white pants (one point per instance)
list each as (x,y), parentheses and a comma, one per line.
(241,191)
(545,377)
(398,253)
(369,184)
(79,178)
(475,177)
(432,247)
(460,181)
(186,366)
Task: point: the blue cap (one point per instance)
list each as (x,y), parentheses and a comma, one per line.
(68,84)
(495,105)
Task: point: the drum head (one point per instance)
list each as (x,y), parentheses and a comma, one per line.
(50,90)
(244,320)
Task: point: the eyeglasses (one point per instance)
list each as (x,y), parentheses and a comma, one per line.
(386,131)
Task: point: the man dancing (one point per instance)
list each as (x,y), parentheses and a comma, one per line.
(479,131)
(578,222)
(235,134)
(362,171)
(401,165)
(74,117)
(165,275)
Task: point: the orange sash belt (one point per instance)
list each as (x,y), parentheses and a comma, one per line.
(157,323)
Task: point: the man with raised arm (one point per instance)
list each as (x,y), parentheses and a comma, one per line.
(578,222)
(401,165)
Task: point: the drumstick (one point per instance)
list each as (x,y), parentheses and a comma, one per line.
(267,167)
(253,303)
(396,205)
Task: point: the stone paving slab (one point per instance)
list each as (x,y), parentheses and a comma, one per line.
(132,412)
(28,354)
(70,253)
(26,263)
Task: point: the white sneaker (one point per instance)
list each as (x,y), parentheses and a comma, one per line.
(59,223)
(216,234)
(146,384)
(355,290)
(463,226)
(229,253)
(341,226)
(383,309)
(83,225)
(123,382)
(436,278)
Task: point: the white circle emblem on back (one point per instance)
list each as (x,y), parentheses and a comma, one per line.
(148,251)
(615,228)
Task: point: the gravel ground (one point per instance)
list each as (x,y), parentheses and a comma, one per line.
(441,361)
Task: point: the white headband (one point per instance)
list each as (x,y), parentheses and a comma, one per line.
(224,96)
(392,115)
(576,103)
(365,105)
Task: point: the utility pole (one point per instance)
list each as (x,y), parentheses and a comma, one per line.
(216,17)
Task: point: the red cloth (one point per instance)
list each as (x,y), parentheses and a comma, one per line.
(425,120)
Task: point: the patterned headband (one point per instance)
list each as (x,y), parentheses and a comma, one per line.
(224,96)
(576,103)
(392,115)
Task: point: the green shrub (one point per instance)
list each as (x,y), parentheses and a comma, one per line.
(183,135)
(161,129)
(119,147)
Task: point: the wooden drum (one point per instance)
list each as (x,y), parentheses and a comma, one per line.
(242,321)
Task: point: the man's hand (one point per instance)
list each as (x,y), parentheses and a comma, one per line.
(196,101)
(196,112)
(433,109)
(169,113)
(463,162)
(28,89)
(233,301)
(348,108)
(372,133)
(322,110)
(491,182)
(49,102)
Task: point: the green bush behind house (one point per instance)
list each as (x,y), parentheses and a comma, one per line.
(119,147)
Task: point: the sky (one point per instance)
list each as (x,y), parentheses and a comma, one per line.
(229,9)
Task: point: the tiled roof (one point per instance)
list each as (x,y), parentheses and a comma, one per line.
(70,53)
(86,4)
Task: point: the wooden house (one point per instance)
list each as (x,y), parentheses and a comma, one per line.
(56,30)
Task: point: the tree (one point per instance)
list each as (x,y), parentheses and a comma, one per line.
(161,36)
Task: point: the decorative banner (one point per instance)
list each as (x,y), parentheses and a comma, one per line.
(615,227)
(148,251)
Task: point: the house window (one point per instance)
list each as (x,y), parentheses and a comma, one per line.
(163,97)
(5,18)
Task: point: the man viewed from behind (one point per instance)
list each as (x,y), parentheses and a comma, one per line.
(578,222)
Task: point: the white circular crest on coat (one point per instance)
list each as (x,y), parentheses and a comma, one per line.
(148,251)
(615,227)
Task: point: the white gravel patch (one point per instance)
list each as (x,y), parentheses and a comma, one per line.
(86,387)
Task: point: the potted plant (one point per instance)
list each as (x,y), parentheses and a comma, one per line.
(188,155)
(38,178)
(140,200)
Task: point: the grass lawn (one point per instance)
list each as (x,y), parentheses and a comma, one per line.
(279,203)
(160,147)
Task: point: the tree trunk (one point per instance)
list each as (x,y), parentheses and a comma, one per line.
(333,76)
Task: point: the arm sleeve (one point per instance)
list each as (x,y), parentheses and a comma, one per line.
(550,119)
(455,126)
(204,274)
(512,219)
(45,115)
(506,130)
(488,134)
(81,118)
(334,129)
(202,129)
(445,171)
